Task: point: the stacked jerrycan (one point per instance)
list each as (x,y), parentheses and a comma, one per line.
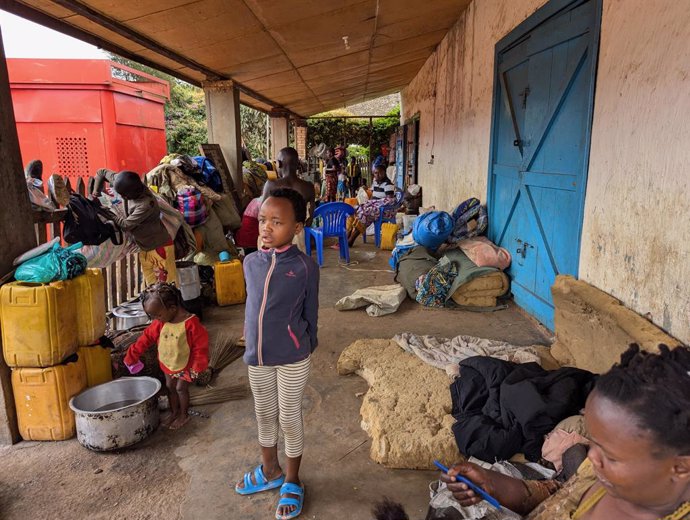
(46,333)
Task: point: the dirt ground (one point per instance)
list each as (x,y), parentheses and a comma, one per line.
(190,473)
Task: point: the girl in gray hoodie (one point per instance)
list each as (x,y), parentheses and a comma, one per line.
(281,334)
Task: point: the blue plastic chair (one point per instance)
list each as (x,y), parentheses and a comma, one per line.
(379,221)
(333,224)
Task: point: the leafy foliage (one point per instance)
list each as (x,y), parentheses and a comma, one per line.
(185,121)
(253,126)
(336,131)
(185,114)
(358,151)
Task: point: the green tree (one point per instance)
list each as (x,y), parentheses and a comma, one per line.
(185,114)
(253,127)
(355,131)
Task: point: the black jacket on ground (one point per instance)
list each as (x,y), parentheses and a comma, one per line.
(504,408)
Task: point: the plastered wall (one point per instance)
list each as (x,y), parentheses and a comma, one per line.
(636,237)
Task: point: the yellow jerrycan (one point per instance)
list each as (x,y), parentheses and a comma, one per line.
(38,322)
(90,293)
(99,367)
(229,279)
(41,396)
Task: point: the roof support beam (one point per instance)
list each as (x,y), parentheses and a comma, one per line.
(113,25)
(38,17)
(132,35)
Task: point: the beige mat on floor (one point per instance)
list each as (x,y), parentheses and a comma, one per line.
(406,411)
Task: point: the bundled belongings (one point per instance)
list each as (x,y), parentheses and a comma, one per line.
(166,180)
(107,253)
(470,220)
(484,253)
(86,223)
(254,177)
(433,288)
(57,264)
(192,206)
(379,301)
(502,408)
(432,229)
(466,284)
(209,175)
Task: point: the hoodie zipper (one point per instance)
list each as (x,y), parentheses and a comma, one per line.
(263,309)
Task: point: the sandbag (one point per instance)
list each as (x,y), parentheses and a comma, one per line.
(432,229)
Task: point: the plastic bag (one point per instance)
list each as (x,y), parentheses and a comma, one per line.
(57,264)
(432,229)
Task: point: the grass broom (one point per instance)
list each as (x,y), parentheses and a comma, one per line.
(211,395)
(223,351)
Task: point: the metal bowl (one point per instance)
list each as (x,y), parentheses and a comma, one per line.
(116,414)
(129,315)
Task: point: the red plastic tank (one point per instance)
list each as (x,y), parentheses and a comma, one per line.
(81,115)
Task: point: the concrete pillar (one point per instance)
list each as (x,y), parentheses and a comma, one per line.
(16,228)
(223,121)
(279,134)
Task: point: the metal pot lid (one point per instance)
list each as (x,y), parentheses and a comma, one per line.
(130,310)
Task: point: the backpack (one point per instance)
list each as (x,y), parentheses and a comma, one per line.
(209,174)
(84,224)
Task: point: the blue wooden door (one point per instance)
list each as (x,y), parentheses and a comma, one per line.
(544,93)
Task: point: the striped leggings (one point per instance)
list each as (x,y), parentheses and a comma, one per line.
(278,392)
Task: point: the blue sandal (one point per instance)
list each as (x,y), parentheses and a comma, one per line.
(290,489)
(262,483)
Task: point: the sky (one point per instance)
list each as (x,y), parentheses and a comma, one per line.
(25,39)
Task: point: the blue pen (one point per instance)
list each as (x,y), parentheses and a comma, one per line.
(491,500)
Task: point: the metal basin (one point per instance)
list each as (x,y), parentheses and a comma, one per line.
(116,414)
(129,315)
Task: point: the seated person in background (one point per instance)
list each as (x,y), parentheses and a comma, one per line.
(382,199)
(638,465)
(248,235)
(362,193)
(143,222)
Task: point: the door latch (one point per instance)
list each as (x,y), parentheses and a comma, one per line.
(523,247)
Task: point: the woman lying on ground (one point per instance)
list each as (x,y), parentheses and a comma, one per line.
(638,466)
(382,199)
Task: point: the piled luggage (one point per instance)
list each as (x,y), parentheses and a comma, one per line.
(50,333)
